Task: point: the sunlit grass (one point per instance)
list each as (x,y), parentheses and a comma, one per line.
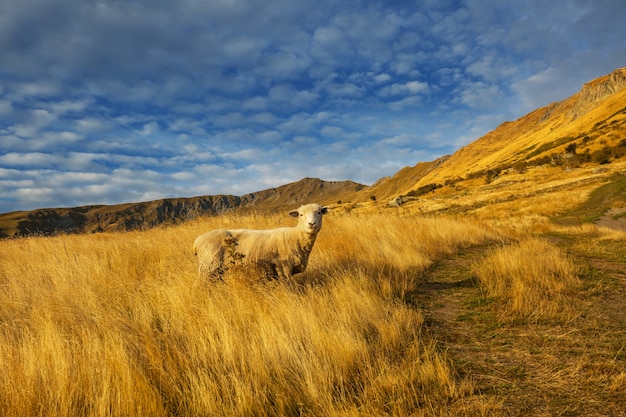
(530,279)
(120,324)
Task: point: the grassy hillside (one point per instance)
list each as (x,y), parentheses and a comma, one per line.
(568,147)
(120,324)
(589,126)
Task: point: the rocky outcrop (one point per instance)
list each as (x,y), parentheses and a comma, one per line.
(597,90)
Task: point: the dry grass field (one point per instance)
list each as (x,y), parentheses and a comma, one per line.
(397,315)
(489,288)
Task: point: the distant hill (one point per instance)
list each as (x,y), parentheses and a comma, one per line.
(386,188)
(130,216)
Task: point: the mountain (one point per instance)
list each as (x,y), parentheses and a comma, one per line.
(585,123)
(546,162)
(131,216)
(388,187)
(586,128)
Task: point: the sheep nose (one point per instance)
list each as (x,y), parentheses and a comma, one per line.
(312,224)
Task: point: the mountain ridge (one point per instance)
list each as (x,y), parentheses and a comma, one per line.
(543,132)
(132,216)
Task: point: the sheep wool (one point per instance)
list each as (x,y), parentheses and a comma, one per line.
(280,253)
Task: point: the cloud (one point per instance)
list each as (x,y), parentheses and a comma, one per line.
(149,129)
(382,78)
(411,87)
(285,96)
(63,107)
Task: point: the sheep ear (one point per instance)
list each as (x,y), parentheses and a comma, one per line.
(293,213)
(325,210)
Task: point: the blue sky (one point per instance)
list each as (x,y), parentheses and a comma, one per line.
(112,101)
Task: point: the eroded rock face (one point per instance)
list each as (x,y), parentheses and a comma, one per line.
(597,90)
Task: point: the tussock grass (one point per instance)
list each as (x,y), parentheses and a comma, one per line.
(393,250)
(120,324)
(530,279)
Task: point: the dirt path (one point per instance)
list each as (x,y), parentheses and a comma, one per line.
(576,368)
(613,219)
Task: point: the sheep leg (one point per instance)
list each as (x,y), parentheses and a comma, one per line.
(283,271)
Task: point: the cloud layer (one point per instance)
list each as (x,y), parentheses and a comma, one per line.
(108,101)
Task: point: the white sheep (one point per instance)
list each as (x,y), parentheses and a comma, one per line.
(280,253)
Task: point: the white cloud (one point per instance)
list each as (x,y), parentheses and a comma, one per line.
(264,118)
(67,106)
(27,159)
(91,124)
(40,88)
(399,140)
(411,87)
(255,103)
(345,90)
(150,128)
(188,125)
(243,154)
(382,78)
(64,138)
(415,87)
(285,96)
(328,36)
(480,95)
(244,50)
(35,121)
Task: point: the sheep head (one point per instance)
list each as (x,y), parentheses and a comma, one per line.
(310,217)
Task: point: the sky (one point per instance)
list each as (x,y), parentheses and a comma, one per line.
(112,101)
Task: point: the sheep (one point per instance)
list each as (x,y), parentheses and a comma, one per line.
(280,253)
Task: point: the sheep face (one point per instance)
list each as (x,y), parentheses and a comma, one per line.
(310,217)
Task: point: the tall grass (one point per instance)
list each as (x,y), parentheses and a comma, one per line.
(120,324)
(531,280)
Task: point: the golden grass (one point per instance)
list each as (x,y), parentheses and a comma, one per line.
(119,324)
(530,279)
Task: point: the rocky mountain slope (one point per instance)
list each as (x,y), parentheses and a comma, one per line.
(172,210)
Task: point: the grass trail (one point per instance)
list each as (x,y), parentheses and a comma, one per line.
(551,367)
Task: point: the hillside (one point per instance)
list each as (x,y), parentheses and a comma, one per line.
(388,187)
(547,161)
(590,124)
(132,216)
